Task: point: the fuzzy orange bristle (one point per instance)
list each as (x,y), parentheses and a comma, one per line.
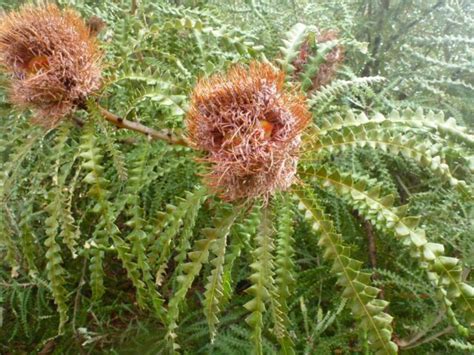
(36,64)
(228,117)
(267,128)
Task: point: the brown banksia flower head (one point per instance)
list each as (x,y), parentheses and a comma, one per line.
(332,60)
(249,125)
(95,25)
(52,59)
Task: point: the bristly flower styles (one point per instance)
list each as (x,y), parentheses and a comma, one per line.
(249,125)
(53,60)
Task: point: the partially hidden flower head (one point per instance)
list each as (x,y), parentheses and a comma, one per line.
(249,126)
(52,59)
(332,58)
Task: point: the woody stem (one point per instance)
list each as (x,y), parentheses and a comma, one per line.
(164,135)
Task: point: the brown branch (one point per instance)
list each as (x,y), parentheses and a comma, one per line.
(134,7)
(418,342)
(429,339)
(372,248)
(408,26)
(77,302)
(369,232)
(24,285)
(404,343)
(381,45)
(48,348)
(120,122)
(372,65)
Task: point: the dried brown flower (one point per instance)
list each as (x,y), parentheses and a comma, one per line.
(96,25)
(52,59)
(249,125)
(332,60)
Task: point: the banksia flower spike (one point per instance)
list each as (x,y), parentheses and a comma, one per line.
(332,59)
(249,126)
(52,59)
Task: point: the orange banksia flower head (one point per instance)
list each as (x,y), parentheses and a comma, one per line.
(249,125)
(332,60)
(52,58)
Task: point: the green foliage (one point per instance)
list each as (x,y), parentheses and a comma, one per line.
(55,271)
(261,279)
(354,281)
(284,271)
(199,256)
(109,242)
(443,271)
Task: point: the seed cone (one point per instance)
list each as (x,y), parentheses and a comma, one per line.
(52,58)
(250,127)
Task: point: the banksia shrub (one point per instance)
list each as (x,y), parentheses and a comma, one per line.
(333,56)
(249,126)
(52,59)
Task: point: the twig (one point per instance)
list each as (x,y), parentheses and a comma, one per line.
(134,7)
(120,122)
(414,340)
(372,248)
(447,330)
(406,27)
(24,285)
(406,192)
(77,303)
(78,294)
(369,231)
(382,45)
(48,348)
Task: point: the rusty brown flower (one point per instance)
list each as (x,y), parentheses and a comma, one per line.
(332,59)
(250,128)
(96,25)
(52,59)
